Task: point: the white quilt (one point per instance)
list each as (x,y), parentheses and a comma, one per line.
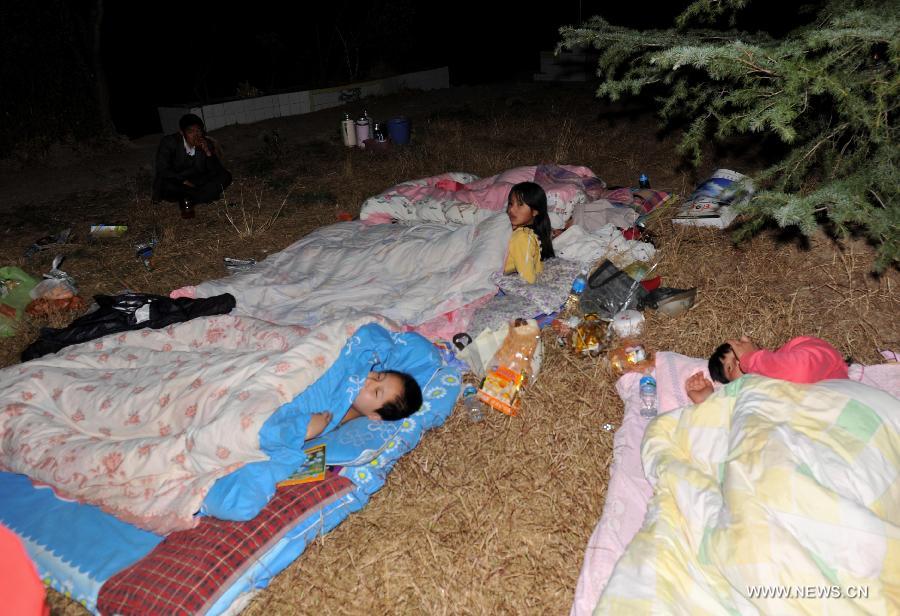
(143,423)
(407,273)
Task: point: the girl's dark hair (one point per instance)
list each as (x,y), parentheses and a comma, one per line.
(716,367)
(533,196)
(407,403)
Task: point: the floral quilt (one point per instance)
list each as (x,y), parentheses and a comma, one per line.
(142,423)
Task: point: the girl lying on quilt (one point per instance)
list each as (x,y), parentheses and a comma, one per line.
(802,360)
(531,241)
(389,395)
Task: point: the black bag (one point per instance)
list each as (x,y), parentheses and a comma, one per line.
(610,290)
(116,313)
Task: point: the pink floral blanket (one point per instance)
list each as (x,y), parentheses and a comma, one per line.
(142,423)
(458,197)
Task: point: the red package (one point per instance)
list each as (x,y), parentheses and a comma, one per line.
(651,283)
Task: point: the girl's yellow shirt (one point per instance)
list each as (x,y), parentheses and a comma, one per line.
(524,255)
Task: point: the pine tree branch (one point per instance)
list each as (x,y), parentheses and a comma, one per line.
(833,82)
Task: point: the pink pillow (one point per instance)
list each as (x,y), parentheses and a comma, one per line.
(672,370)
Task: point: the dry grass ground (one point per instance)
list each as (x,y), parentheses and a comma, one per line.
(488,518)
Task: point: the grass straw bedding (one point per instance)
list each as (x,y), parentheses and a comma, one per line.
(490,517)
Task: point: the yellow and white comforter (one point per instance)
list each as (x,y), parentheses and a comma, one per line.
(769,498)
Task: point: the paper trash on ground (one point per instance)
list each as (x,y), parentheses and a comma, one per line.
(712,202)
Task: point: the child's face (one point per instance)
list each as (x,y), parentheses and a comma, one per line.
(520,214)
(732,366)
(378,390)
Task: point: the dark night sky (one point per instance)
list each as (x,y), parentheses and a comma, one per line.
(150,57)
(172,52)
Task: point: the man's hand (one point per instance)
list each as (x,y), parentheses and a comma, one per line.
(698,387)
(742,346)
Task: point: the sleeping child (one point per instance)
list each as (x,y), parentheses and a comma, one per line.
(383,396)
(389,395)
(802,360)
(531,241)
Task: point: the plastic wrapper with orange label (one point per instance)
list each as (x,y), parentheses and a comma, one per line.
(500,390)
(515,363)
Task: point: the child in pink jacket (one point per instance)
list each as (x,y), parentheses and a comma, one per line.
(802,360)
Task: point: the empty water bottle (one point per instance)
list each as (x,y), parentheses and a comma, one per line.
(474,406)
(648,396)
(644,181)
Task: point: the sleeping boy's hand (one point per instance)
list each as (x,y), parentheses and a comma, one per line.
(698,387)
(743,346)
(317,424)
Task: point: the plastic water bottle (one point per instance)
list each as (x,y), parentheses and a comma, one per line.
(474,406)
(362,131)
(348,131)
(578,287)
(648,396)
(644,181)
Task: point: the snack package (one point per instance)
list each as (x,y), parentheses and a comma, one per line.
(630,356)
(588,337)
(521,350)
(492,348)
(500,390)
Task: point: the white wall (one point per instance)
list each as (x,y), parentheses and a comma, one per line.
(248,110)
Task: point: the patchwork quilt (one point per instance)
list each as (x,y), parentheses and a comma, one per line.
(769,497)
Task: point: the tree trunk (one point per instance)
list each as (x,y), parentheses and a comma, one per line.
(101,87)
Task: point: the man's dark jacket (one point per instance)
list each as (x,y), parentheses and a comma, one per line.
(174,163)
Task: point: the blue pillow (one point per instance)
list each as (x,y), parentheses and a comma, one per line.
(361,440)
(413,354)
(357,442)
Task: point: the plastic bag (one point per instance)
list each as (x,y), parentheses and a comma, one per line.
(56,284)
(15,289)
(516,363)
(610,290)
(589,337)
(521,350)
